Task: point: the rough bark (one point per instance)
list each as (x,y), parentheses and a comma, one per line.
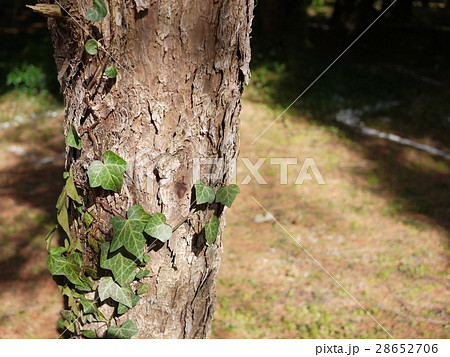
(181,67)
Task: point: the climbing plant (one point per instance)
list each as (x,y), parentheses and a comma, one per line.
(92,267)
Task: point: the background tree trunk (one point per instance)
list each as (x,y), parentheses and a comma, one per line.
(181,67)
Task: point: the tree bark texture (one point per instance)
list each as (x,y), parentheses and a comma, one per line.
(181,64)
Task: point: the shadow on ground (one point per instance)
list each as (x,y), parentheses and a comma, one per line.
(397,77)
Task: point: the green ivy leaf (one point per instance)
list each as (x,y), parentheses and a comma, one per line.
(91,46)
(128,232)
(73,139)
(66,266)
(77,257)
(71,190)
(227,194)
(107,288)
(48,238)
(145,260)
(142,274)
(211,230)
(157,227)
(111,71)
(93,244)
(121,308)
(58,250)
(204,193)
(67,315)
(88,219)
(121,266)
(97,12)
(61,202)
(89,333)
(69,326)
(127,330)
(85,284)
(62,215)
(93,273)
(60,324)
(142,289)
(108,174)
(89,306)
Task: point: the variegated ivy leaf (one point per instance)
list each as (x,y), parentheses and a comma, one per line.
(128,232)
(127,330)
(107,288)
(109,173)
(204,193)
(91,46)
(227,194)
(62,265)
(121,308)
(121,265)
(211,230)
(157,227)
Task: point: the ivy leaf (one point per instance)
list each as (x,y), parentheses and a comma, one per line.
(121,266)
(66,266)
(73,139)
(145,260)
(204,193)
(91,46)
(63,220)
(211,230)
(93,273)
(128,232)
(88,218)
(85,284)
(107,288)
(157,227)
(93,244)
(97,12)
(71,190)
(48,238)
(111,71)
(89,333)
(121,308)
(108,174)
(69,326)
(62,215)
(77,257)
(142,274)
(61,199)
(89,306)
(142,289)
(227,194)
(60,324)
(127,330)
(67,315)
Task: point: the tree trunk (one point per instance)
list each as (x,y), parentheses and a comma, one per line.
(181,65)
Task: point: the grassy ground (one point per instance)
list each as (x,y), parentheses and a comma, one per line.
(389,256)
(380,225)
(31,144)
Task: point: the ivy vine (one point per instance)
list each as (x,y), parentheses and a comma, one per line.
(109,268)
